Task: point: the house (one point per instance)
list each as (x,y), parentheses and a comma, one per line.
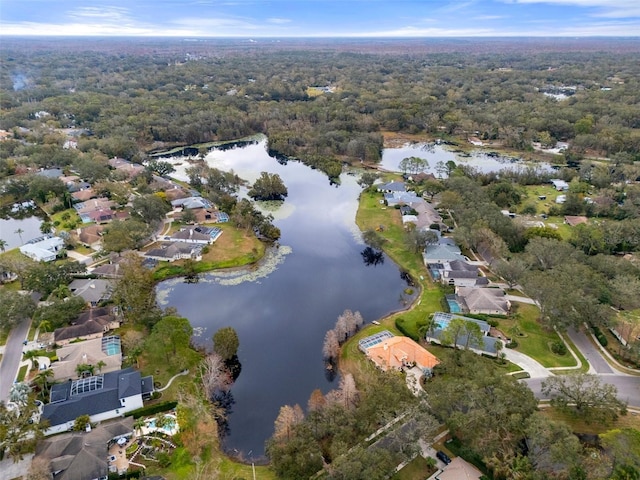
(422,177)
(43,249)
(190,203)
(490,301)
(92,290)
(573,220)
(560,185)
(102,397)
(84,195)
(90,352)
(94,205)
(172,251)
(93,323)
(441,253)
(441,320)
(77,455)
(196,234)
(399,352)
(398,198)
(392,187)
(459,469)
(91,235)
(98,216)
(122,165)
(560,199)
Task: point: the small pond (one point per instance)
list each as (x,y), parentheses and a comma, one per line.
(17,231)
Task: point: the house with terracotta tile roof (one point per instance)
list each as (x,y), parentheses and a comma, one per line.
(399,352)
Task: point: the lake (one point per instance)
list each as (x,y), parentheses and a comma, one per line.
(482,161)
(282,309)
(30,227)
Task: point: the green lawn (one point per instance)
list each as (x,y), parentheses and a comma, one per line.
(22,373)
(534,340)
(67,220)
(416,469)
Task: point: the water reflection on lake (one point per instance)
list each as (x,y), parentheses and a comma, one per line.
(481,161)
(283,310)
(29,228)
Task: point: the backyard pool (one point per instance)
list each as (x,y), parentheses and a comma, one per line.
(454,306)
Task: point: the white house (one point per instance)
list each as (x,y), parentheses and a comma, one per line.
(560,185)
(43,249)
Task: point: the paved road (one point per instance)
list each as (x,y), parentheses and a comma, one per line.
(627,385)
(590,352)
(11,358)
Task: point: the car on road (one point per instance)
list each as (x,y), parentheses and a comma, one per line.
(443,457)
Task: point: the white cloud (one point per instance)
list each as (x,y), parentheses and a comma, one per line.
(489,17)
(278,21)
(605,8)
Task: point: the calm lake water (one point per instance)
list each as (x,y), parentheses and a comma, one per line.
(30,227)
(482,161)
(282,309)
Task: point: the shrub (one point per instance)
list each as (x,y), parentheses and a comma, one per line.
(559,348)
(152,409)
(493,323)
(400,325)
(600,336)
(512,344)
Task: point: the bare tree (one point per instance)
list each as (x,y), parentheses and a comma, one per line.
(39,469)
(287,418)
(346,395)
(341,329)
(331,347)
(215,375)
(316,401)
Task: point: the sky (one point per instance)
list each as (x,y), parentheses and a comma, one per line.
(321,18)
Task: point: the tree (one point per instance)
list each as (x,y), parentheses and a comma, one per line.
(134,291)
(416,239)
(46,277)
(287,419)
(622,447)
(84,369)
(20,231)
(160,167)
(81,422)
(226,343)
(511,271)
(432,188)
(454,330)
(331,346)
(57,312)
(215,376)
(39,469)
(3,245)
(473,335)
(16,307)
(585,395)
(174,333)
(367,179)
(125,235)
(20,428)
(269,186)
(413,165)
(151,209)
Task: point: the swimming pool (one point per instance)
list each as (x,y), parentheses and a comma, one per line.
(170,427)
(454,307)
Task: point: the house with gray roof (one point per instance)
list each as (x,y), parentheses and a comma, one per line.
(93,323)
(172,251)
(92,290)
(190,203)
(441,320)
(80,455)
(391,187)
(490,301)
(102,397)
(441,253)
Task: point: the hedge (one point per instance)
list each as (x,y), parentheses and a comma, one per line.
(600,336)
(400,326)
(152,409)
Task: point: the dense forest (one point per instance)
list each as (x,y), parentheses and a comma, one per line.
(151,95)
(329,103)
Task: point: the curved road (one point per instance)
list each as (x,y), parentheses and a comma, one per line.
(627,385)
(598,364)
(11,358)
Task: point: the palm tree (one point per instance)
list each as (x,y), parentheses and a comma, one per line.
(42,381)
(3,245)
(138,424)
(45,325)
(19,231)
(100,364)
(19,393)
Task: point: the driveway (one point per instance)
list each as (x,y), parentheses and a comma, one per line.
(590,351)
(11,358)
(528,364)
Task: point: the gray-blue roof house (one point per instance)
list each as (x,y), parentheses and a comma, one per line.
(102,397)
(441,253)
(392,187)
(441,321)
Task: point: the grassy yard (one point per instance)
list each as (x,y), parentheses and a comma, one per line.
(66,220)
(416,469)
(371,216)
(533,339)
(580,426)
(234,248)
